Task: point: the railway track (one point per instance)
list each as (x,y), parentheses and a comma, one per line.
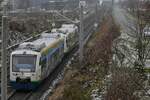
(20,95)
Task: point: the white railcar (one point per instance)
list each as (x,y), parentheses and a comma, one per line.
(70,32)
(33,61)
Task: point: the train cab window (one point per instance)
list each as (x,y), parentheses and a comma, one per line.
(24,63)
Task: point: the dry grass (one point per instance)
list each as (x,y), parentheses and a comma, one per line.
(79,81)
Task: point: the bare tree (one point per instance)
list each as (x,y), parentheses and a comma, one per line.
(131,52)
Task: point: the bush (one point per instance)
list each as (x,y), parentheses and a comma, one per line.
(124,84)
(75,92)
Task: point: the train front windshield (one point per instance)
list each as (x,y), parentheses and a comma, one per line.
(23,63)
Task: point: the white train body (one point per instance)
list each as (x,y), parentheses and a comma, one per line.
(32,62)
(70,35)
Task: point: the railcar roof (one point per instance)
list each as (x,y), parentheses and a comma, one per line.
(66,30)
(45,40)
(68,26)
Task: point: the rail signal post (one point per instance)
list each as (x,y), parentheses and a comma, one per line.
(3,53)
(81,46)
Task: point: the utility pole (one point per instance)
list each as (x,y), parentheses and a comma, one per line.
(13,5)
(112,3)
(96,11)
(81,33)
(96,15)
(3,53)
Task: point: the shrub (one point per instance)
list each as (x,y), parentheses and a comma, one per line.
(75,92)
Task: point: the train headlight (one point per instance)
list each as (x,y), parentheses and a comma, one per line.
(33,74)
(14,74)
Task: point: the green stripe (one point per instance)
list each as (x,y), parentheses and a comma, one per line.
(47,51)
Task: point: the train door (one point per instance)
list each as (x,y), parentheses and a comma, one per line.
(50,64)
(43,67)
(65,44)
(68,41)
(47,66)
(56,57)
(61,51)
(71,39)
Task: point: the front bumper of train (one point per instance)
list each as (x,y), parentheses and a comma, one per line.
(24,86)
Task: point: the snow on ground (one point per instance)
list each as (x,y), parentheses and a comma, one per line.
(56,81)
(97,94)
(126,45)
(52,86)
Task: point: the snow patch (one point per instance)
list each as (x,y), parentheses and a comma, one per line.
(53,86)
(95,95)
